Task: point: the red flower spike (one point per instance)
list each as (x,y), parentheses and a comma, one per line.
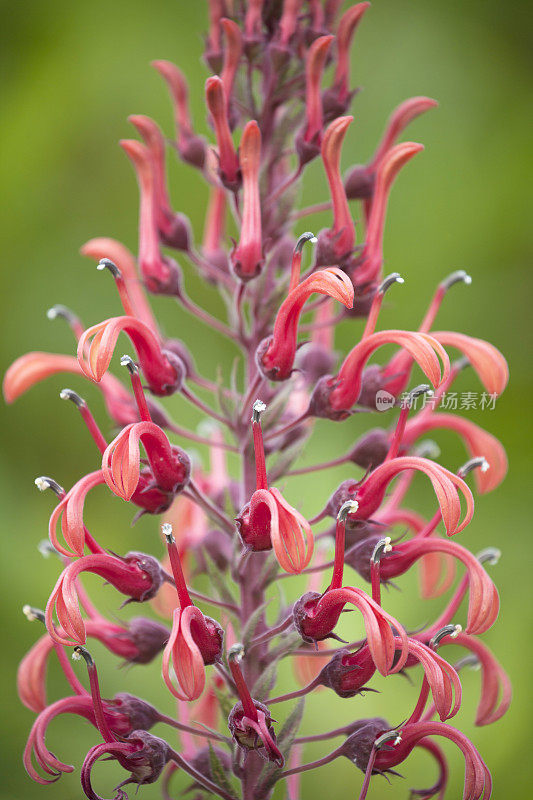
(247,256)
(70,512)
(138,576)
(315,617)
(371,492)
(314,68)
(190,147)
(214,230)
(232,55)
(484,604)
(478,442)
(160,274)
(340,240)
(371,259)
(275,355)
(121,461)
(157,365)
(334,397)
(268,521)
(478,783)
(249,721)
(103,247)
(217,106)
(346,30)
(174,229)
(496,690)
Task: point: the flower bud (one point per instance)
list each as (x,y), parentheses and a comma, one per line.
(371,449)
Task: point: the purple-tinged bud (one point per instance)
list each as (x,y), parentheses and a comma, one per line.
(346,673)
(255,734)
(141,714)
(371,449)
(372,382)
(314,361)
(345,492)
(319,405)
(150,638)
(359,556)
(359,745)
(187,367)
(148,763)
(359,183)
(219,548)
(201,761)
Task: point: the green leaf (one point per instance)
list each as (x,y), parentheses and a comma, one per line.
(219,581)
(218,771)
(265,682)
(252,623)
(290,727)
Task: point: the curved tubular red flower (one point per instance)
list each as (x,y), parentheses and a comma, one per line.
(161,375)
(447,486)
(342,235)
(173,228)
(121,461)
(214,229)
(496,690)
(486,360)
(478,442)
(345,32)
(314,68)
(232,55)
(138,576)
(288,20)
(400,118)
(195,641)
(484,603)
(289,532)
(104,247)
(424,349)
(31,674)
(31,368)
(315,617)
(276,354)
(247,256)
(478,782)
(388,169)
(36,745)
(160,274)
(190,147)
(441,678)
(217,106)
(70,511)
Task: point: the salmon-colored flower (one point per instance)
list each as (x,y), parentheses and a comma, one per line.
(333,397)
(275,355)
(247,256)
(191,147)
(70,512)
(268,521)
(336,244)
(308,144)
(346,29)
(121,461)
(218,108)
(160,367)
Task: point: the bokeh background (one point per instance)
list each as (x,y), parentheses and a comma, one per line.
(72,72)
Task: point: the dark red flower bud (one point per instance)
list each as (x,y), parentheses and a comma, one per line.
(149,638)
(255,734)
(346,673)
(359,745)
(141,714)
(359,183)
(371,449)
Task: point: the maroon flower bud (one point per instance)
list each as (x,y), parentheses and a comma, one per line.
(142,715)
(219,548)
(359,183)
(371,449)
(358,556)
(359,745)
(345,492)
(149,638)
(255,734)
(346,673)
(201,761)
(314,361)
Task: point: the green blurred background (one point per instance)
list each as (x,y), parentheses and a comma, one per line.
(72,72)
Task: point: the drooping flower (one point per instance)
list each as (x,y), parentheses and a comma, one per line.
(275,355)
(190,146)
(268,521)
(195,640)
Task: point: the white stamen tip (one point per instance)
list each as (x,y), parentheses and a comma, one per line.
(41,484)
(398,739)
(28,613)
(76,656)
(485,466)
(236,652)
(314,240)
(259,406)
(399,279)
(51,313)
(457,631)
(166,529)
(388,546)
(467,279)
(64,394)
